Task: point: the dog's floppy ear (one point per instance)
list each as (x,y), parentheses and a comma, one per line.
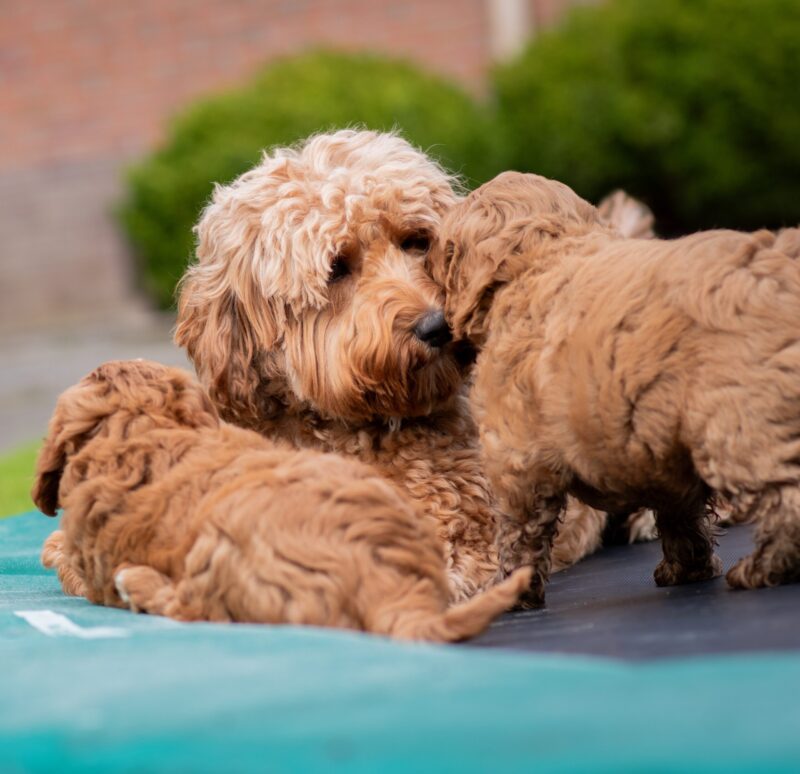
(473,276)
(75,416)
(229,334)
(49,467)
(497,233)
(483,247)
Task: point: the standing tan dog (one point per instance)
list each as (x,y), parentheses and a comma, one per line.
(629,373)
(169,511)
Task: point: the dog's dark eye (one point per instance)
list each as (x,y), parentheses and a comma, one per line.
(419,242)
(339,269)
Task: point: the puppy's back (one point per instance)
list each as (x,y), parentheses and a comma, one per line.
(301,537)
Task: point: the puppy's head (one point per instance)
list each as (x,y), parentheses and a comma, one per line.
(310,288)
(494,235)
(119,399)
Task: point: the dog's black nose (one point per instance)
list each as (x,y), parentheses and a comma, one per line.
(433,329)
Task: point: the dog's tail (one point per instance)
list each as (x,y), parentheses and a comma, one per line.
(465,619)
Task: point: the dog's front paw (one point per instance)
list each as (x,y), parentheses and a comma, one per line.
(145,590)
(669,573)
(533,597)
(529,602)
(122,589)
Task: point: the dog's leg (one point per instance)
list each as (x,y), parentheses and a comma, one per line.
(53,556)
(525,536)
(687,540)
(776,558)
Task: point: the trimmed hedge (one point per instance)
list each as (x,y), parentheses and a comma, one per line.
(692,105)
(218,138)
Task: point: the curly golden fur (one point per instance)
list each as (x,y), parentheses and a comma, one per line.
(629,373)
(168,510)
(302,314)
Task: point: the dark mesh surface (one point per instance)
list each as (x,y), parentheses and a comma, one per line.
(609,605)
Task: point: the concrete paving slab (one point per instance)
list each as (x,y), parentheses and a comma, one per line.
(37,365)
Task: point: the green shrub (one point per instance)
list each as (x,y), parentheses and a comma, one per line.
(218,138)
(693,105)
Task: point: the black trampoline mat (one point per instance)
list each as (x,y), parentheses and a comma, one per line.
(609,605)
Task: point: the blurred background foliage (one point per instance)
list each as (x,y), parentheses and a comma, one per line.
(691,105)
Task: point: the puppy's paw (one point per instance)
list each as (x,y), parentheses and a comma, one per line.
(750,573)
(122,589)
(724,514)
(533,597)
(53,557)
(641,526)
(52,550)
(529,602)
(143,589)
(673,573)
(71,582)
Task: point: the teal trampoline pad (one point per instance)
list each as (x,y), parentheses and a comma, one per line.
(86,688)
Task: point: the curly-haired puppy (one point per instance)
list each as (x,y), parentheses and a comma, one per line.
(310,317)
(629,373)
(169,511)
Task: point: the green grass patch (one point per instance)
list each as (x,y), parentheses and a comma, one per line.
(16,479)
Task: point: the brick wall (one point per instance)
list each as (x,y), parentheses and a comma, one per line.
(86,85)
(83,78)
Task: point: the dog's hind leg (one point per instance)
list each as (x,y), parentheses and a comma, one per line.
(776,558)
(53,556)
(687,540)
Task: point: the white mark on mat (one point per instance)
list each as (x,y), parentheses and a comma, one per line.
(57,625)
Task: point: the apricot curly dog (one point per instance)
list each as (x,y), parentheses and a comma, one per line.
(169,511)
(629,373)
(310,318)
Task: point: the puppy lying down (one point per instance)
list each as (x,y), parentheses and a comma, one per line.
(168,510)
(630,373)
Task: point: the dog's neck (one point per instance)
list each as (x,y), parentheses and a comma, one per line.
(546,252)
(304,427)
